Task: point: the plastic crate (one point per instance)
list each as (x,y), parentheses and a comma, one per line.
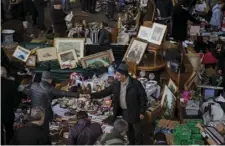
(196,136)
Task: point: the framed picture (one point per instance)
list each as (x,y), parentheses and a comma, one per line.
(168,102)
(190,80)
(68,59)
(158,32)
(21,53)
(31,61)
(144,32)
(101,59)
(172,86)
(64,44)
(135,51)
(46,54)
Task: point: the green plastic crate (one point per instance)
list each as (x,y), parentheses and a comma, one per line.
(196,136)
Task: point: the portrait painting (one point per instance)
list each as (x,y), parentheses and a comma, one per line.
(135,51)
(67,59)
(172,86)
(31,61)
(46,54)
(101,59)
(64,44)
(168,102)
(144,32)
(21,53)
(158,32)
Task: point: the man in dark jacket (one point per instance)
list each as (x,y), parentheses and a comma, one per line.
(9,96)
(84,132)
(116,137)
(40,7)
(180,17)
(129,99)
(32,133)
(42,94)
(58,16)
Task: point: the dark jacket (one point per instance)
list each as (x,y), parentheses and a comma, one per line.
(180,18)
(42,94)
(135,99)
(32,134)
(58,21)
(112,138)
(9,96)
(104,37)
(84,133)
(165,7)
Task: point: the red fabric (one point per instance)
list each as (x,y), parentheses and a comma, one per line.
(209,58)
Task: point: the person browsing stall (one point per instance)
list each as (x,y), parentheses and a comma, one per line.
(116,137)
(180,17)
(129,97)
(58,19)
(84,132)
(217,14)
(32,133)
(43,93)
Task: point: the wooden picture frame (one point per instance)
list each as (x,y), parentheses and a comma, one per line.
(169,100)
(190,80)
(90,61)
(172,86)
(144,32)
(64,44)
(46,54)
(67,59)
(135,51)
(158,32)
(31,61)
(21,53)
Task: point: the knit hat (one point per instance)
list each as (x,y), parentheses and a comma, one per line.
(57,2)
(46,75)
(123,69)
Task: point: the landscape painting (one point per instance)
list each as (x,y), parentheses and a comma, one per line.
(102,59)
(64,44)
(46,54)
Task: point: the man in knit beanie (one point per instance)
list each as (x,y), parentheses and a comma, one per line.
(129,100)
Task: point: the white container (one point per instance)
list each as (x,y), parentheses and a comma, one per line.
(7,35)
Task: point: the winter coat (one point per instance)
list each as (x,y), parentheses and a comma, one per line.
(9,95)
(42,94)
(58,21)
(135,99)
(217,16)
(31,134)
(180,17)
(84,133)
(112,138)
(165,7)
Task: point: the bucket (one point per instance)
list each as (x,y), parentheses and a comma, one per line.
(7,35)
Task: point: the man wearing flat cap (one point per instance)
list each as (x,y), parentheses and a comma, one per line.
(129,100)
(42,93)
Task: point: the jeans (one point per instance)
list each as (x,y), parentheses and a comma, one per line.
(134,133)
(66,5)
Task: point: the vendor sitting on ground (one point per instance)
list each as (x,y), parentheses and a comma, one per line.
(42,95)
(116,137)
(84,132)
(32,134)
(58,16)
